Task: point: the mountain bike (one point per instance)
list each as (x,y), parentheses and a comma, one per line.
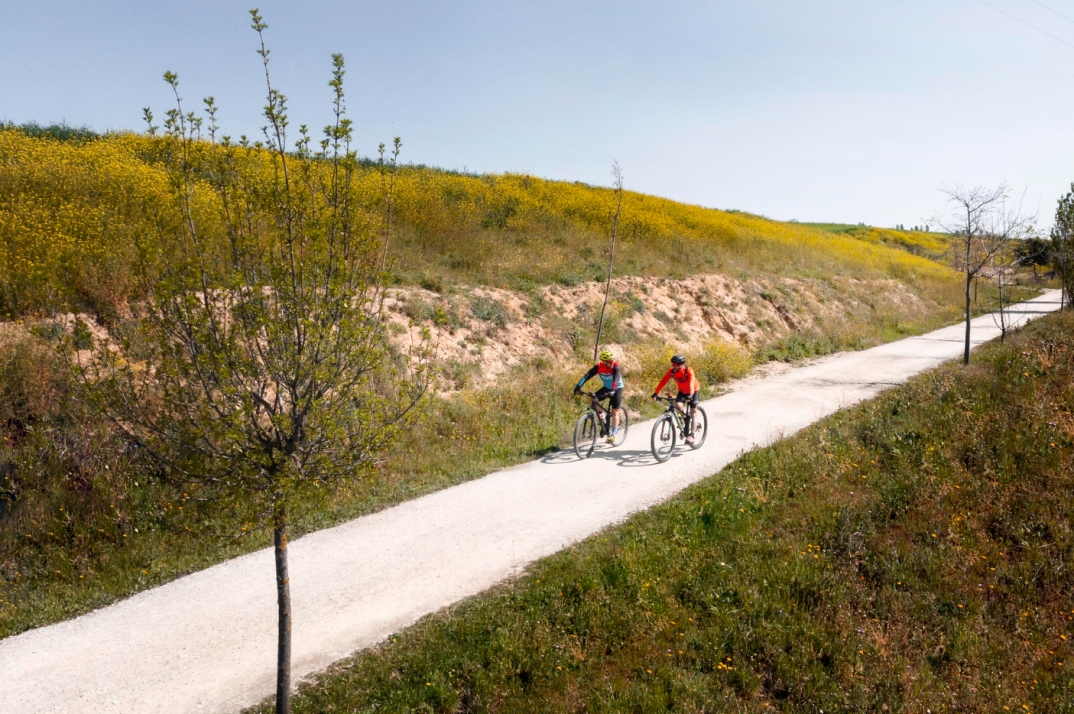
(671,427)
(596,423)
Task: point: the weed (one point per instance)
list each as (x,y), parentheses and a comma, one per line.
(489,310)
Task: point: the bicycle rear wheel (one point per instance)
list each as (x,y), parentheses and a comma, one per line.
(585,435)
(624,425)
(665,433)
(701,428)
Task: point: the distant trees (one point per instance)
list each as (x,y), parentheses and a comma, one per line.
(1033,252)
(982,228)
(260,372)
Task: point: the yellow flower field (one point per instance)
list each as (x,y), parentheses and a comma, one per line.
(76,216)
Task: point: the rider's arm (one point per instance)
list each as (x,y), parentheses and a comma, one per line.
(588,376)
(662,382)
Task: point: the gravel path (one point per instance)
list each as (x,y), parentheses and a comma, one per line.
(207,642)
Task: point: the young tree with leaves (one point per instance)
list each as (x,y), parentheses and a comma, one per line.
(1061,250)
(261,372)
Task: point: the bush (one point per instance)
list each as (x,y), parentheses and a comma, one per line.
(721,360)
(716,362)
(489,310)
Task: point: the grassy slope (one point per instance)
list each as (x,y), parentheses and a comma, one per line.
(84,521)
(911,553)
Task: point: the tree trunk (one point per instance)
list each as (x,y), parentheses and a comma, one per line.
(966,353)
(283,599)
(611,262)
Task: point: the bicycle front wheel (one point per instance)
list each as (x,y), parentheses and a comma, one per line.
(624,425)
(585,435)
(701,428)
(665,433)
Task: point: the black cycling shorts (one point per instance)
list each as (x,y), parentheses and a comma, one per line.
(693,399)
(615,397)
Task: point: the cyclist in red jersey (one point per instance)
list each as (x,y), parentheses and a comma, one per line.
(689,390)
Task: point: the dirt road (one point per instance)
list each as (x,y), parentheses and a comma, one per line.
(207,642)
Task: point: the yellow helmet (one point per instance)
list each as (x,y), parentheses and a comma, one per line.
(606,355)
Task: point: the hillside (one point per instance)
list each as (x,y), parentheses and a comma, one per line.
(499,269)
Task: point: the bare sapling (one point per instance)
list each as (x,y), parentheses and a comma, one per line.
(618,174)
(1003,275)
(260,372)
(982,228)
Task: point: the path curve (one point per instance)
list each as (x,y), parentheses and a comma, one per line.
(207,642)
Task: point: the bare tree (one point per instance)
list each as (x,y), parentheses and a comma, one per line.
(261,372)
(1003,274)
(618,174)
(982,227)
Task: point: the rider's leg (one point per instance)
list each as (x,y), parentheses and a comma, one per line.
(692,419)
(615,402)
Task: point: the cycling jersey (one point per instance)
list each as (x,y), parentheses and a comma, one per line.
(685,380)
(610,377)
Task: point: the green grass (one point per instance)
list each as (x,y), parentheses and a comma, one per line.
(913,553)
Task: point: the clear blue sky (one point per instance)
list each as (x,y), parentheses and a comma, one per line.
(807,109)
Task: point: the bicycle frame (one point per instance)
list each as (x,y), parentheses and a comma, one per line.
(604,416)
(679,414)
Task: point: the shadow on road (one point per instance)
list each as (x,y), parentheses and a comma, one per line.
(622,457)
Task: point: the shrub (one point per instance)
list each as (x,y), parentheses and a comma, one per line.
(489,310)
(717,361)
(721,360)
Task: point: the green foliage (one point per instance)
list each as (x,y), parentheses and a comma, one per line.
(439,314)
(59,132)
(802,345)
(1062,246)
(911,553)
(489,310)
(1033,251)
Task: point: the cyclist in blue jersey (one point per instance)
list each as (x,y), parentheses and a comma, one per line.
(611,378)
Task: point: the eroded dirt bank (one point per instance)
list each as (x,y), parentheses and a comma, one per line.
(479,333)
